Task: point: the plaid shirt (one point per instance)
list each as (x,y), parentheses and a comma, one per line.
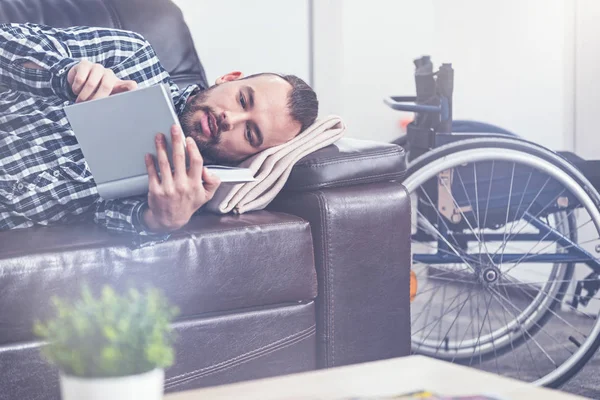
(43,176)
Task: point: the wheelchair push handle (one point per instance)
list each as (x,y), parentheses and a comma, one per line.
(407,103)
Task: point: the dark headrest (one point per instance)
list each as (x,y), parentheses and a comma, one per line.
(159,21)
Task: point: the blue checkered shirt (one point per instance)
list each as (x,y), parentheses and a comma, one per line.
(44,178)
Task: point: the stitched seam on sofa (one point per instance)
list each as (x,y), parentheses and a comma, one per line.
(225,368)
(332,272)
(278,344)
(346,159)
(257,350)
(328,273)
(241,362)
(366,179)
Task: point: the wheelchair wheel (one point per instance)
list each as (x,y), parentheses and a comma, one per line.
(504,242)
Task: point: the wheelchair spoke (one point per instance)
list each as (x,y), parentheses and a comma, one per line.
(470,326)
(489,195)
(437,319)
(448,272)
(478,226)
(477,343)
(520,287)
(472,259)
(427,307)
(526,211)
(526,342)
(525,331)
(528,254)
(456,252)
(439,216)
(512,179)
(541,328)
(465,218)
(512,346)
(521,200)
(442,314)
(436,287)
(491,333)
(571,245)
(477,200)
(513,284)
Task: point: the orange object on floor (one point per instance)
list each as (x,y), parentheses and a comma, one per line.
(413,285)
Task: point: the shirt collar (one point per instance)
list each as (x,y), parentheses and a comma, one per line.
(183,98)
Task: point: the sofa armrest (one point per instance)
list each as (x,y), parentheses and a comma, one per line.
(361,236)
(348,162)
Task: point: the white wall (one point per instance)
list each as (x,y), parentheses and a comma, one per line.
(587,89)
(250,36)
(509,57)
(514,59)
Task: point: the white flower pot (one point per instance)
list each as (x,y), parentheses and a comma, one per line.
(146,386)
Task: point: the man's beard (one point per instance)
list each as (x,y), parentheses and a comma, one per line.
(208,146)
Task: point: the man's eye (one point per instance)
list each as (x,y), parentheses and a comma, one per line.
(249,134)
(242,101)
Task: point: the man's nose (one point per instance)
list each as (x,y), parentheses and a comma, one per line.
(229,120)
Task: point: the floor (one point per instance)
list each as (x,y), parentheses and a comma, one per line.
(587,382)
(556,336)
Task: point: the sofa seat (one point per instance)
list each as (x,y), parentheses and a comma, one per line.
(217,263)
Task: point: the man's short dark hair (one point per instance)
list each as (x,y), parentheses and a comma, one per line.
(302,100)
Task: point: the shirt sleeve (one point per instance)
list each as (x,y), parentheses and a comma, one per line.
(56,51)
(124,216)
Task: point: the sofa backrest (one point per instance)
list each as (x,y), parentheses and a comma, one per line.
(159,21)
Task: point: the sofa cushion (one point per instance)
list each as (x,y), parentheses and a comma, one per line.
(216,263)
(348,162)
(151,18)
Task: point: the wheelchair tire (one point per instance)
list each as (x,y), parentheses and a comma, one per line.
(552,299)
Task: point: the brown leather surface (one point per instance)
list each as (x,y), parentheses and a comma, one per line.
(348,162)
(251,345)
(159,21)
(217,263)
(216,350)
(362,255)
(241,282)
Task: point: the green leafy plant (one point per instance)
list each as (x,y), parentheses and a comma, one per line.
(110,335)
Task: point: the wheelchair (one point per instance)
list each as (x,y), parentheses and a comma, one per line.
(505,241)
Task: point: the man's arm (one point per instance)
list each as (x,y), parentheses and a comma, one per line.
(37,58)
(121,215)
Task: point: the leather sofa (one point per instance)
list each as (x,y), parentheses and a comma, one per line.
(319,279)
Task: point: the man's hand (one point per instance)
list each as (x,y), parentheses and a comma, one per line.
(175,196)
(91,81)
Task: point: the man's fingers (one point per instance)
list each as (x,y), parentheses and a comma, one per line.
(211,182)
(196,160)
(93,80)
(81,72)
(166,176)
(124,86)
(178,152)
(153,181)
(105,86)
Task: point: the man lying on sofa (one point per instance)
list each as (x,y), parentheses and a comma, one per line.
(43,176)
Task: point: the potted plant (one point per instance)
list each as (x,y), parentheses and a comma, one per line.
(111,346)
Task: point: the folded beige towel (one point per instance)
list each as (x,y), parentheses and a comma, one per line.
(272,167)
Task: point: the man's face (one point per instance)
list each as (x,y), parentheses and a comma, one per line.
(238,118)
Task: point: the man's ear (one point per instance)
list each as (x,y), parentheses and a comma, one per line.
(232,76)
